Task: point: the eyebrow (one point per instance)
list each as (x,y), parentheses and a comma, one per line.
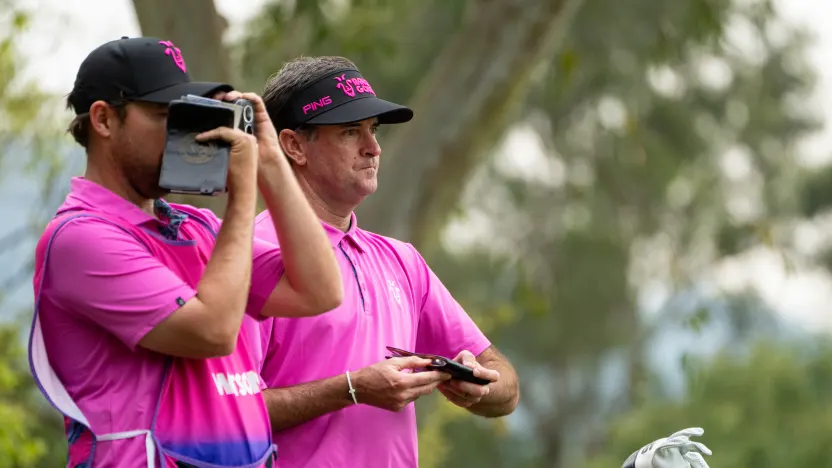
(358,125)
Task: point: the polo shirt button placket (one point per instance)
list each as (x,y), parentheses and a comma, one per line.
(359,276)
(362,282)
(368,301)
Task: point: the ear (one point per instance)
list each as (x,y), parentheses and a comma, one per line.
(101,118)
(292,144)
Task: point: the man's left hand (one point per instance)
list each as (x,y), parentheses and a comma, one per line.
(466,394)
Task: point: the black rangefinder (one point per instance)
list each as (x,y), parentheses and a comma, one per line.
(200,168)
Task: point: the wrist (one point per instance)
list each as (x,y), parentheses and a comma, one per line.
(359,383)
(338,394)
(357,377)
(351,388)
(242,195)
(270,166)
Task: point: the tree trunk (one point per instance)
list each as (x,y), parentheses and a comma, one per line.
(469,97)
(197,29)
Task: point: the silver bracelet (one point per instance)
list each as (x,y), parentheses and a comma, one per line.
(352,390)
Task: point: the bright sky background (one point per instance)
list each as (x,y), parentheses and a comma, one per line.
(807,296)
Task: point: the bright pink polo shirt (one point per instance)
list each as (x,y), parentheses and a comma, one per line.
(391,298)
(103,292)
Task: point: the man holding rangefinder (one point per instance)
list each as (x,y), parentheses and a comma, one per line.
(146,315)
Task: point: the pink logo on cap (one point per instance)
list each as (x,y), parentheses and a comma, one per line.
(315,105)
(176,54)
(350,86)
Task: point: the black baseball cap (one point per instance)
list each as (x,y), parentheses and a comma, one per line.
(340,97)
(145,69)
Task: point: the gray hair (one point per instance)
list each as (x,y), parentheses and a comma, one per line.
(296,75)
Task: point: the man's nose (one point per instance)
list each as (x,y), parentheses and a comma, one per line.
(371,146)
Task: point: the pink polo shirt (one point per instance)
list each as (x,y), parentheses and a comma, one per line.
(391,298)
(103,292)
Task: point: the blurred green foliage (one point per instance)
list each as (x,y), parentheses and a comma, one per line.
(668,133)
(30,428)
(770,408)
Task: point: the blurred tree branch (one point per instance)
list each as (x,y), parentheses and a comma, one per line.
(629,190)
(473,91)
(197,28)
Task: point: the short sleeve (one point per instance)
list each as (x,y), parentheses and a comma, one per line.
(102,273)
(444,326)
(266,271)
(264,228)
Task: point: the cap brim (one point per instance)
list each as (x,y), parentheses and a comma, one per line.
(198,88)
(362,109)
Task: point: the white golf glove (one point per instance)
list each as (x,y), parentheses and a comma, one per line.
(676,451)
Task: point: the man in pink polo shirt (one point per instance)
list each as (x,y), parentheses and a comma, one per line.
(333,398)
(145,330)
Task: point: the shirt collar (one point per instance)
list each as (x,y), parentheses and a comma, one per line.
(87,195)
(352,235)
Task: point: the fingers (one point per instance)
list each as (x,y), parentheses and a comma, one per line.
(426,378)
(409,396)
(487,374)
(266,133)
(261,114)
(703,448)
(453,397)
(681,440)
(220,95)
(447,389)
(689,432)
(422,390)
(232,95)
(467,358)
(695,460)
(468,390)
(259,105)
(409,362)
(459,397)
(696,447)
(411,387)
(233,136)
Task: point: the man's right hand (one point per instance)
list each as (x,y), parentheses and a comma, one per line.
(242,164)
(392,384)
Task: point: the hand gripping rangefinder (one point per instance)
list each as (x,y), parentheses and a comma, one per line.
(200,168)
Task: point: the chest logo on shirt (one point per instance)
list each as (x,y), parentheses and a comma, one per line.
(395,292)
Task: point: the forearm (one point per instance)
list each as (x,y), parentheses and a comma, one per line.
(503,395)
(224,285)
(291,406)
(309,262)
